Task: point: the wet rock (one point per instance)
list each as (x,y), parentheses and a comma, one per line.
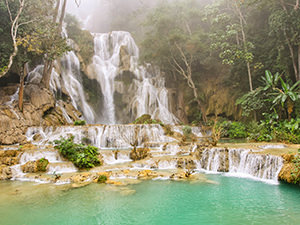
(9,161)
(188,164)
(81,178)
(5,172)
(35,166)
(180,175)
(147,174)
(286,173)
(116,183)
(39,109)
(29,167)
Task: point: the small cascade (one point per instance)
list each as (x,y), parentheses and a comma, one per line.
(167,164)
(115,157)
(56,164)
(34,155)
(14,97)
(241,163)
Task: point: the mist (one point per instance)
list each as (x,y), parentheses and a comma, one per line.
(100,16)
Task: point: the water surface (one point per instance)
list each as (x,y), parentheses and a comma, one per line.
(227,201)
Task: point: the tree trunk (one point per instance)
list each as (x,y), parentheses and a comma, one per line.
(23,74)
(292,56)
(48,66)
(249,76)
(297,5)
(242,21)
(13,33)
(62,15)
(56,11)
(298,63)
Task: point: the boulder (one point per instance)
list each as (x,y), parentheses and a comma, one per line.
(29,167)
(40,165)
(147,174)
(5,172)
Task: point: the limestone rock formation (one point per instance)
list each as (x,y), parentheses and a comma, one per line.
(40,108)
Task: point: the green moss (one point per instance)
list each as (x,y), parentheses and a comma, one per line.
(102,179)
(42,164)
(79,123)
(146,119)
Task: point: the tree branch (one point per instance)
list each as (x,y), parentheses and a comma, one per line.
(13,33)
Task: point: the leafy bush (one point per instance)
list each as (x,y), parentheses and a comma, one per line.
(79,123)
(82,156)
(102,179)
(42,164)
(233,129)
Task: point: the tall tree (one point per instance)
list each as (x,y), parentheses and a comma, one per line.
(14,18)
(228,22)
(285,24)
(174,43)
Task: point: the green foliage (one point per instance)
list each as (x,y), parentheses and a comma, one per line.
(42,164)
(79,123)
(269,129)
(82,156)
(102,179)
(252,101)
(233,129)
(146,119)
(82,38)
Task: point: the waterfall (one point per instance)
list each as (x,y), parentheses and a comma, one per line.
(129,90)
(115,53)
(241,163)
(72,82)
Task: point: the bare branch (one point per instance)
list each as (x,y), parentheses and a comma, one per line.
(24,23)
(9,12)
(13,33)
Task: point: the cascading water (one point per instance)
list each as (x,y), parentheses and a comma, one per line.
(72,82)
(115,53)
(241,163)
(70,79)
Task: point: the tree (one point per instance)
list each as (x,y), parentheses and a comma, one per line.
(174,43)
(285,25)
(228,22)
(14,26)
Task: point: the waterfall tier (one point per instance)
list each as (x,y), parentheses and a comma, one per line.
(166,153)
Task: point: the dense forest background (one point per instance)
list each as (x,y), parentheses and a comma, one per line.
(229,59)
